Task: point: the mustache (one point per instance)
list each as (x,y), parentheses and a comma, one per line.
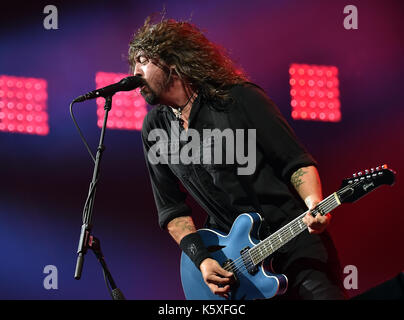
(148,89)
(145,83)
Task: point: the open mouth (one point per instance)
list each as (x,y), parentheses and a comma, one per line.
(143,88)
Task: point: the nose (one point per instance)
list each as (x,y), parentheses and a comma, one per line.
(138,70)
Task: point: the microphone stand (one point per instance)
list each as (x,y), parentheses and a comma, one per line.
(87,241)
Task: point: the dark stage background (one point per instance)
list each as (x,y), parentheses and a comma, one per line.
(44,179)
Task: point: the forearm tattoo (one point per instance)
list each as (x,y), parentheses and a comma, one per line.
(296,178)
(185,224)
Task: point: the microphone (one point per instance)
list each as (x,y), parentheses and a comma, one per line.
(126,84)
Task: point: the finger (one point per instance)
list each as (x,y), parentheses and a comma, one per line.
(318,220)
(225,289)
(308,219)
(323,219)
(219,290)
(222,272)
(224,295)
(310,216)
(218,280)
(317,226)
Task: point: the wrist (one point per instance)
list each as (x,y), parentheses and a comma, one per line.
(192,245)
(312,201)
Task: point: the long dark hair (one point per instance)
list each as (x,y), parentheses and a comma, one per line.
(205,66)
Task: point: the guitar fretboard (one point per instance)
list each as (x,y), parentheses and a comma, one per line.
(276,240)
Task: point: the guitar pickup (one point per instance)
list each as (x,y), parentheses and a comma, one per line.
(248,263)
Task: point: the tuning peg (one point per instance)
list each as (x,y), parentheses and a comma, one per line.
(360,173)
(366,171)
(372,170)
(377,168)
(354,175)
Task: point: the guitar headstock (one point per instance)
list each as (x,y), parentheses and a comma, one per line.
(364,182)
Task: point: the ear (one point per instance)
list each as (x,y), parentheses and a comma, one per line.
(173,69)
(173,72)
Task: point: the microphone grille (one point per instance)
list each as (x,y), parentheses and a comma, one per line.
(130,83)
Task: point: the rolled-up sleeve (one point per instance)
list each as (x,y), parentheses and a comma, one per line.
(169,199)
(274,136)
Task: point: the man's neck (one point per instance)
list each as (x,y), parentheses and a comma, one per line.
(180,98)
(183,112)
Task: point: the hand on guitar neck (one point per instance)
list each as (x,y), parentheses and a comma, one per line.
(306,181)
(318,223)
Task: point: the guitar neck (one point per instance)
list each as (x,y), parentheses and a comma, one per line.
(276,240)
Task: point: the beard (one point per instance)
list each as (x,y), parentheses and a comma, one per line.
(152,96)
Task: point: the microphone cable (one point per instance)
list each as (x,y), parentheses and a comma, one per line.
(85,210)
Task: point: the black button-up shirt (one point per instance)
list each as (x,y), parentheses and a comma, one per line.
(219,188)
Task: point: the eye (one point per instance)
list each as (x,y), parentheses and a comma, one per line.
(143,60)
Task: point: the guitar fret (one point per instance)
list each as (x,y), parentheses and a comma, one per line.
(252,255)
(288,232)
(300,224)
(329,203)
(291,230)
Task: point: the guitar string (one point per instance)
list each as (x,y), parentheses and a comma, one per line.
(235,266)
(326,205)
(285,234)
(283,231)
(239,262)
(243,268)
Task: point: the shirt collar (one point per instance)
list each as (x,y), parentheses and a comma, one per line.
(196,105)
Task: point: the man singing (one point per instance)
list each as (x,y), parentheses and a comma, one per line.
(195,85)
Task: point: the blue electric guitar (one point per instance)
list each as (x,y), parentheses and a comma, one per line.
(242,253)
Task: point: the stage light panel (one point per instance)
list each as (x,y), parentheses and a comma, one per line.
(23,105)
(314,92)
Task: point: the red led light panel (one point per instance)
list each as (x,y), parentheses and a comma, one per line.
(128,107)
(314,92)
(23,105)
